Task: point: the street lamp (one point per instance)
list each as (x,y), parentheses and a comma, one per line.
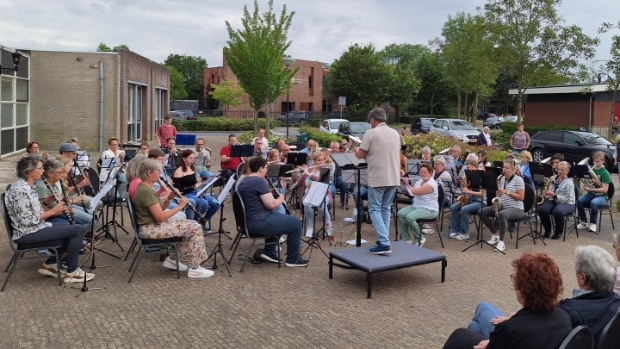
(288,62)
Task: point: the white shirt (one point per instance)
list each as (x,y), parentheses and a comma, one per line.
(265,145)
(488,137)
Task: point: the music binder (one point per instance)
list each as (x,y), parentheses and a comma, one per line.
(241,151)
(348,160)
(296,158)
(185,139)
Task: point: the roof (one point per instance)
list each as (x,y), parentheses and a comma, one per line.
(577,88)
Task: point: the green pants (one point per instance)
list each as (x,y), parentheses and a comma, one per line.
(407,217)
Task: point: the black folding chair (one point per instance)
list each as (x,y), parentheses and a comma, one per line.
(437,220)
(611,190)
(528,203)
(579,338)
(610,337)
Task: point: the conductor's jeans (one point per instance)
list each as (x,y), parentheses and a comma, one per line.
(379,207)
(71,236)
(505,215)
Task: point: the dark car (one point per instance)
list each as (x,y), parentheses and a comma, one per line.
(485,115)
(421,125)
(353,128)
(493,121)
(294,117)
(575,145)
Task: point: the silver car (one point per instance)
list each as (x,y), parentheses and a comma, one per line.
(294,117)
(458,129)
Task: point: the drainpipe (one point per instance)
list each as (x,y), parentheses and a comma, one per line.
(590,118)
(101,93)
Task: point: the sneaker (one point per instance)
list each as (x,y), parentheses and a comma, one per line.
(593,227)
(500,246)
(282,240)
(171,264)
(50,270)
(422,241)
(428,231)
(269,258)
(329,230)
(349,219)
(512,227)
(207,227)
(199,273)
(153,249)
(309,231)
(300,262)
(583,225)
(462,237)
(78,276)
(380,249)
(494,239)
(453,235)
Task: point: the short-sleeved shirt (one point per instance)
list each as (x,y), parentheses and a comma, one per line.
(515,184)
(164,132)
(43,192)
(382,147)
(519,140)
(250,190)
(233,163)
(145,197)
(603,176)
(428,201)
(206,154)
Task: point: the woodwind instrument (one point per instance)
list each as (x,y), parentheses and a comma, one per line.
(67,200)
(541,198)
(78,190)
(65,211)
(200,216)
(496,202)
(301,169)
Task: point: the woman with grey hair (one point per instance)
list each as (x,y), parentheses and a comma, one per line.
(559,201)
(154,222)
(426,154)
(28,220)
(617,248)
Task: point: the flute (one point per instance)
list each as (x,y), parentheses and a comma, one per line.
(201,217)
(301,169)
(64,210)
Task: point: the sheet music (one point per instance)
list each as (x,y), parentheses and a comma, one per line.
(350,176)
(226,189)
(343,159)
(406,185)
(95,201)
(316,194)
(207,185)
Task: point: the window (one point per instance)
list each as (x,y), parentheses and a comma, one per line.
(160,100)
(554,137)
(15,109)
(134,116)
(571,139)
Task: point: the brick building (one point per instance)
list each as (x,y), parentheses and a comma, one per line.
(14,101)
(587,106)
(306,91)
(75,93)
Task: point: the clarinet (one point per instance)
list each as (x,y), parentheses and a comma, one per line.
(69,216)
(276,194)
(79,191)
(67,201)
(86,176)
(179,196)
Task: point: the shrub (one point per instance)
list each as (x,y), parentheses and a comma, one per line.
(247,137)
(222,124)
(438,143)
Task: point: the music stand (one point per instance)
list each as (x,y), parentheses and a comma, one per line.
(112,177)
(412,166)
(218,248)
(241,151)
(316,196)
(348,161)
(296,158)
(185,139)
(486,180)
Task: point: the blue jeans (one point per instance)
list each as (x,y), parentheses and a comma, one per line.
(363,194)
(205,174)
(379,206)
(188,211)
(344,189)
(481,323)
(205,204)
(595,201)
(276,224)
(459,218)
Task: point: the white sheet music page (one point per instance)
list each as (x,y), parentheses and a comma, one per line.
(226,189)
(207,185)
(316,194)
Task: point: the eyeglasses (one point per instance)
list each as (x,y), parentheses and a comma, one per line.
(58,172)
(200,144)
(144,148)
(39,168)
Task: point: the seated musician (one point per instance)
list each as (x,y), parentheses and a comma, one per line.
(310,147)
(144,149)
(273,158)
(30,221)
(526,179)
(114,153)
(455,151)
(442,176)
(475,200)
(559,201)
(263,139)
(426,154)
(524,165)
(155,223)
(173,156)
(258,148)
(344,145)
(203,168)
(539,324)
(593,304)
(482,160)
(186,181)
(594,196)
(556,159)
(314,175)
(425,206)
(339,182)
(79,200)
(229,164)
(511,193)
(284,151)
(162,189)
(263,220)
(32,148)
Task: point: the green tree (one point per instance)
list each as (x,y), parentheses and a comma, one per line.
(105,48)
(611,68)
(255,54)
(535,44)
(177,86)
(227,92)
(193,70)
(360,76)
(435,88)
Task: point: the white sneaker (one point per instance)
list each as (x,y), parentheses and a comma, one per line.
(592,227)
(462,237)
(500,246)
(199,273)
(349,219)
(282,239)
(494,239)
(453,235)
(78,276)
(329,230)
(428,231)
(583,225)
(309,232)
(171,264)
(422,241)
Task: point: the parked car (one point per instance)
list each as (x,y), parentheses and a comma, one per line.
(294,117)
(485,116)
(458,129)
(178,116)
(421,125)
(331,125)
(511,118)
(493,121)
(353,128)
(184,114)
(575,145)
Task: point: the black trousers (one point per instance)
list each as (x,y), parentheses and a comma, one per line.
(549,208)
(463,338)
(71,236)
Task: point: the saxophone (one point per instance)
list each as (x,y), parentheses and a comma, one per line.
(497,204)
(541,198)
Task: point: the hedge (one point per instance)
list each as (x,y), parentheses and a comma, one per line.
(438,143)
(222,124)
(510,127)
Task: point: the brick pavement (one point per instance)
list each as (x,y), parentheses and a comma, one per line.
(264,306)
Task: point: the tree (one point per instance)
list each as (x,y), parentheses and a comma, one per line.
(227,92)
(105,48)
(255,54)
(177,86)
(360,76)
(534,44)
(612,67)
(193,71)
(435,88)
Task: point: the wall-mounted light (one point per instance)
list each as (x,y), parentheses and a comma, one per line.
(16,57)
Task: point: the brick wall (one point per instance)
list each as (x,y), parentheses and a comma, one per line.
(574,114)
(602,113)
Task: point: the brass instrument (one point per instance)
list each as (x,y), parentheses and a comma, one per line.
(545,160)
(353,142)
(496,202)
(65,210)
(541,198)
(593,182)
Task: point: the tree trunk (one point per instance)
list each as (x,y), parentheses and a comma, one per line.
(432,105)
(458,104)
(613,107)
(466,107)
(255,122)
(476,102)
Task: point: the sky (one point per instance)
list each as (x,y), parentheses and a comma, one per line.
(321,30)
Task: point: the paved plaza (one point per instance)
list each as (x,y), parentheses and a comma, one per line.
(265,307)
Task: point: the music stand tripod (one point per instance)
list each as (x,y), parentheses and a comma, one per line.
(348,161)
(316,196)
(105,228)
(485,180)
(91,253)
(218,247)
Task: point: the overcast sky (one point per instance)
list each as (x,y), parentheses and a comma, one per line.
(321,29)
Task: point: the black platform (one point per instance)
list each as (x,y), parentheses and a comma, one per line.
(404,255)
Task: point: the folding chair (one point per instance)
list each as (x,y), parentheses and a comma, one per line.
(528,203)
(579,338)
(607,206)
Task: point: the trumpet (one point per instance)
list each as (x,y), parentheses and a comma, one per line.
(593,182)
